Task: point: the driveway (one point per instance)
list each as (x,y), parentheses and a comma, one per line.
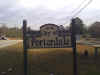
(5,43)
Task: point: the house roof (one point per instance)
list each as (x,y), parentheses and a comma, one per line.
(50,25)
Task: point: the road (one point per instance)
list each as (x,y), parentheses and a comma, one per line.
(5,43)
(89,43)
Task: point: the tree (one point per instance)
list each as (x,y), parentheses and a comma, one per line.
(79,26)
(10,32)
(3,29)
(14,32)
(94,29)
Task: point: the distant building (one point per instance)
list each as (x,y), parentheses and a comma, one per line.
(49,36)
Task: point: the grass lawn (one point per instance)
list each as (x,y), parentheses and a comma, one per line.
(46,61)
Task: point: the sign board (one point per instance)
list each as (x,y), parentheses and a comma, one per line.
(49,36)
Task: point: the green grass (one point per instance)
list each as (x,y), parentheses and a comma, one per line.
(46,61)
(11,57)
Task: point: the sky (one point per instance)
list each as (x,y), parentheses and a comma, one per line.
(39,12)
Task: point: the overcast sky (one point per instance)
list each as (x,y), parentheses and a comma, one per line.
(39,12)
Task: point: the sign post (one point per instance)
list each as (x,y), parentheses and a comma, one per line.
(73,41)
(25,45)
(32,39)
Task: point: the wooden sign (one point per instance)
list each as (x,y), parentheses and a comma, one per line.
(49,36)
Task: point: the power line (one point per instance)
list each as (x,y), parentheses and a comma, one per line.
(82,8)
(79,6)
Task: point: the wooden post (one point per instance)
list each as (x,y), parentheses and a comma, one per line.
(73,41)
(96,52)
(25,46)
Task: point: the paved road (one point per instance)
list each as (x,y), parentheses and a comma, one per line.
(5,43)
(89,43)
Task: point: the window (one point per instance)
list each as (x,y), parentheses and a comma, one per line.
(54,33)
(52,28)
(48,33)
(45,33)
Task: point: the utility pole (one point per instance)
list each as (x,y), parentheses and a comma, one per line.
(73,41)
(25,46)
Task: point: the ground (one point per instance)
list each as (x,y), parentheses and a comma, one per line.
(46,61)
